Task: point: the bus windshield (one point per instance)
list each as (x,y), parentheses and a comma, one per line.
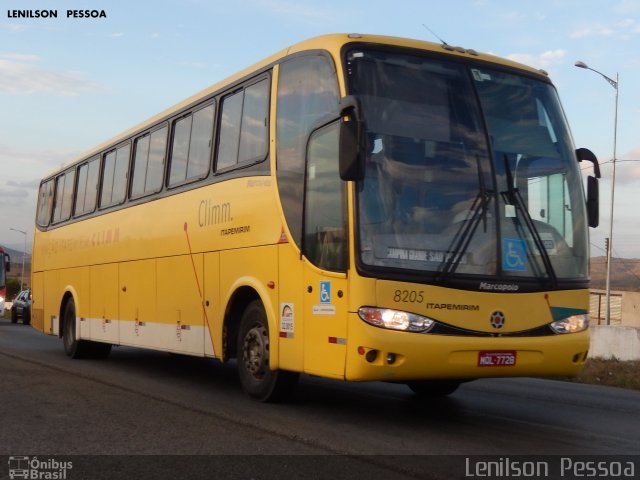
(469,171)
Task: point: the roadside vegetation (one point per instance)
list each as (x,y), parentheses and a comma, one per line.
(613,373)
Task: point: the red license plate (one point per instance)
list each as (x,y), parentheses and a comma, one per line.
(497,359)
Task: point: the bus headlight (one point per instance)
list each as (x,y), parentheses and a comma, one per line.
(396,320)
(572,324)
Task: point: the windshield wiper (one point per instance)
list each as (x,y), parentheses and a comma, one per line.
(461,240)
(515,199)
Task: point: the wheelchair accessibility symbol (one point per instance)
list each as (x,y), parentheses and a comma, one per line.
(325,292)
(514,255)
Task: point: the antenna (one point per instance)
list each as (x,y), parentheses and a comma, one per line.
(434,34)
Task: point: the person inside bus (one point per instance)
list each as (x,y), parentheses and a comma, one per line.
(424,184)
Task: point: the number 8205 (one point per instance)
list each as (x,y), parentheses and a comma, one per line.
(408,296)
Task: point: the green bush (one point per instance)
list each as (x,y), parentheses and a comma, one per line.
(13,288)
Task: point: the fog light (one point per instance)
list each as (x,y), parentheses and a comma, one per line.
(391,358)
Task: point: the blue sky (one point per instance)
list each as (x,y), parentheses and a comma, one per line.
(68,84)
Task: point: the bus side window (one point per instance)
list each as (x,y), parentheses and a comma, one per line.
(191,150)
(45,202)
(148,163)
(243,126)
(114,179)
(307,91)
(87,190)
(64,196)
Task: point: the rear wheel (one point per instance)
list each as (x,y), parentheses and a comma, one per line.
(256,378)
(434,388)
(79,348)
(26,316)
(14,315)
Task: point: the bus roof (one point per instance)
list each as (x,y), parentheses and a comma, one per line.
(331,42)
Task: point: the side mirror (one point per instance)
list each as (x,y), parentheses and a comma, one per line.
(588,155)
(593,202)
(593,195)
(351,161)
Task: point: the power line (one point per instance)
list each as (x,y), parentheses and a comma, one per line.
(622,260)
(623,160)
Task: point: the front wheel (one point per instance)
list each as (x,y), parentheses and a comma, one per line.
(256,378)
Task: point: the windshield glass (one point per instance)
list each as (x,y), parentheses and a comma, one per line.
(468,171)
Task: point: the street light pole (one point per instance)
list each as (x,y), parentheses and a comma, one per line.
(24,252)
(615,84)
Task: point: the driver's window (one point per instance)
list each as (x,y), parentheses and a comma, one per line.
(325,224)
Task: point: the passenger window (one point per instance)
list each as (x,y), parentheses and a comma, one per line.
(64,196)
(253,134)
(87,190)
(114,180)
(180,150)
(45,202)
(200,143)
(243,126)
(191,151)
(140,163)
(148,163)
(229,131)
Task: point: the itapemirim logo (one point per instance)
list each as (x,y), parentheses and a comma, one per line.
(35,468)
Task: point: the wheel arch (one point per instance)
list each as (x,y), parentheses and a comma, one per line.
(243,292)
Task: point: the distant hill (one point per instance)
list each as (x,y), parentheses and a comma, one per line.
(16,264)
(16,255)
(625,273)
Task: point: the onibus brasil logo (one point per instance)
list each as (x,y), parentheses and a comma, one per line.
(35,468)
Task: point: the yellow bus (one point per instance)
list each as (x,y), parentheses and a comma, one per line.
(355,207)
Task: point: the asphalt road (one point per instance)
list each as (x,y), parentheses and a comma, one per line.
(148,403)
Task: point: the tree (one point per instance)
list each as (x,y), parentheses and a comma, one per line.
(13,287)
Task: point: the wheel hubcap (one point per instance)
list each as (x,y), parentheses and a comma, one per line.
(255,353)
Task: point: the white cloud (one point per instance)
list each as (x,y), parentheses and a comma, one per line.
(14,197)
(20,57)
(627,7)
(542,60)
(19,75)
(16,28)
(38,161)
(623,28)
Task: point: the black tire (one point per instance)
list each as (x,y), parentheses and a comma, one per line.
(79,348)
(26,316)
(434,388)
(14,315)
(257,379)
